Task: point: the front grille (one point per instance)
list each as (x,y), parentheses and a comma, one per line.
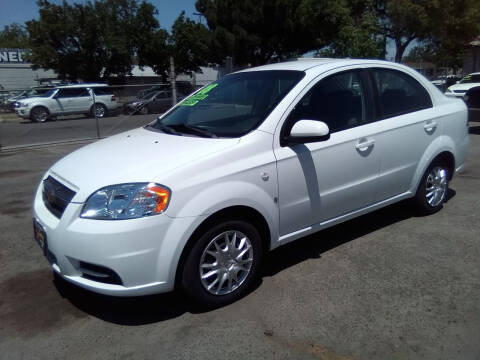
(56,196)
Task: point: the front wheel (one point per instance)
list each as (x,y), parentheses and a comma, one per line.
(223,263)
(433,188)
(39,114)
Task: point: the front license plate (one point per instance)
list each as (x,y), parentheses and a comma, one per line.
(40,236)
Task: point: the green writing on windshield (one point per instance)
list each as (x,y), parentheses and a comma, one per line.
(201,95)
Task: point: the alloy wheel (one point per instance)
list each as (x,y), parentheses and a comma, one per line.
(436,186)
(40,115)
(226,262)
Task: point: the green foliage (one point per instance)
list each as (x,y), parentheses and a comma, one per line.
(258,31)
(14,36)
(359,35)
(189,44)
(446,25)
(93,41)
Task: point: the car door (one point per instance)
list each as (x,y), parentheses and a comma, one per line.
(68,99)
(321,181)
(82,101)
(407,119)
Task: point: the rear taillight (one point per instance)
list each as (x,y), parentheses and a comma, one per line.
(113,98)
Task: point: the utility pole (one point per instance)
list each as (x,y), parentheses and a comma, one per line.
(172,81)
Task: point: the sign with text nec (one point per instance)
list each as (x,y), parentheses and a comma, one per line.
(12,56)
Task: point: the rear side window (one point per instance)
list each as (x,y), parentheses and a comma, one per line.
(399,93)
(102,91)
(73,92)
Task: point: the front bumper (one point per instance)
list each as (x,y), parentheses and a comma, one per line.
(143,252)
(23,112)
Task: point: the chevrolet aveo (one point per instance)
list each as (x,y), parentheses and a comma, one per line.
(250,162)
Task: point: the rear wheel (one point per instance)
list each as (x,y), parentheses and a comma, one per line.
(39,114)
(222,264)
(433,188)
(99,109)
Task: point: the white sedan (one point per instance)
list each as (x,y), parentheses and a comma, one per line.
(250,162)
(460,89)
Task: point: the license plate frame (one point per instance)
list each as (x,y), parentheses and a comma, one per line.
(40,236)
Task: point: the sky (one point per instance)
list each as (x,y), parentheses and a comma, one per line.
(20,11)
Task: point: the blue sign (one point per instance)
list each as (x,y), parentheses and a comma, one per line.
(12,56)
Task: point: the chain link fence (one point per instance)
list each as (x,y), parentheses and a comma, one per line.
(48,115)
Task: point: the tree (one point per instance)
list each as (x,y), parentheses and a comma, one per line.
(93,41)
(359,35)
(14,36)
(446,24)
(190,44)
(259,31)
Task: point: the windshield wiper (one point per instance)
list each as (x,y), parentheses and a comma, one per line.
(165,128)
(194,129)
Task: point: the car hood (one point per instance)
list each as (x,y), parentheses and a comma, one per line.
(27,100)
(138,155)
(463,87)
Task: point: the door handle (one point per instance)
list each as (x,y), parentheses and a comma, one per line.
(363,145)
(430,126)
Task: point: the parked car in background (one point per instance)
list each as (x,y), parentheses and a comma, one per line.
(159,87)
(33,92)
(472,99)
(444,81)
(246,164)
(468,82)
(66,100)
(155,102)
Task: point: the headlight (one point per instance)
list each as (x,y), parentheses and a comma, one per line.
(448,91)
(17,104)
(126,201)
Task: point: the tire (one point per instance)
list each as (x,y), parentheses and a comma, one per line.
(143,111)
(433,188)
(237,268)
(100,109)
(39,114)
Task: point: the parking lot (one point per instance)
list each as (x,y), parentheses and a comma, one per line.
(388,285)
(18,132)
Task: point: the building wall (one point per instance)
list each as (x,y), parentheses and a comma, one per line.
(471,61)
(21,76)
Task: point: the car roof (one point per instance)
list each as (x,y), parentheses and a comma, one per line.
(303,64)
(81,85)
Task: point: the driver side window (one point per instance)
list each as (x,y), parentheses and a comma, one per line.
(338,100)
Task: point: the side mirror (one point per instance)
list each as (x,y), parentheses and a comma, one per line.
(307,131)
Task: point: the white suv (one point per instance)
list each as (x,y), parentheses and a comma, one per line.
(250,162)
(67,100)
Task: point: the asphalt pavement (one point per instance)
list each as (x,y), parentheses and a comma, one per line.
(18,132)
(387,285)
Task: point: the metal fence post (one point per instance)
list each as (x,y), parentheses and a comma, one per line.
(172,81)
(92,93)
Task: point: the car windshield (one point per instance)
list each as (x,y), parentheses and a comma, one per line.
(472,78)
(150,95)
(231,106)
(48,93)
